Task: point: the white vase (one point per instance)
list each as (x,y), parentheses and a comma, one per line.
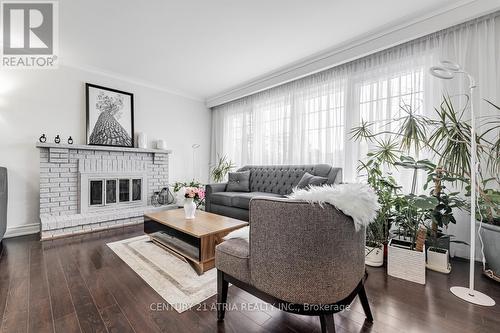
(142,140)
(161,144)
(189,208)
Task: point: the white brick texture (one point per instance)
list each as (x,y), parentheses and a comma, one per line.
(59,188)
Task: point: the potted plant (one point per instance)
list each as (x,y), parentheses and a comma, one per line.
(377,232)
(406,251)
(489,212)
(451,141)
(221,169)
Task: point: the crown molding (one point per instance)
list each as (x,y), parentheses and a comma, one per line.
(129,79)
(383,38)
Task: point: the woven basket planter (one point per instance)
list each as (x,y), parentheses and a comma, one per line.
(404,263)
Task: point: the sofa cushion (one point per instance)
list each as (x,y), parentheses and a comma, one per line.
(222,198)
(231,257)
(242,200)
(310,180)
(238,182)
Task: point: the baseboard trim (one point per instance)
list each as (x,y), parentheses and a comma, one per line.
(22,230)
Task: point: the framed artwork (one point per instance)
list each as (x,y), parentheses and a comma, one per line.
(110,116)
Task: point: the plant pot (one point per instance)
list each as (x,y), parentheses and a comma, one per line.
(491,238)
(438,260)
(374,256)
(404,263)
(442,243)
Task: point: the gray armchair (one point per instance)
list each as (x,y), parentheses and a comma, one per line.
(298,255)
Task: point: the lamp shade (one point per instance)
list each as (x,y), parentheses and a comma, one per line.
(441,72)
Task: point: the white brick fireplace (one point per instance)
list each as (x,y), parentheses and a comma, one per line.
(86,188)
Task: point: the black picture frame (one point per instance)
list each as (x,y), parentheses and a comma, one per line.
(94,140)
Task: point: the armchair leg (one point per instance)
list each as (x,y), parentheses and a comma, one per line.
(365,304)
(222,286)
(327,323)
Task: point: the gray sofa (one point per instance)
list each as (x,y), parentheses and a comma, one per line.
(273,181)
(301,258)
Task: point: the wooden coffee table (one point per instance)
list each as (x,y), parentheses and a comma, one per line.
(192,240)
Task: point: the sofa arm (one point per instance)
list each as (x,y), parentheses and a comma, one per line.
(304,253)
(212,188)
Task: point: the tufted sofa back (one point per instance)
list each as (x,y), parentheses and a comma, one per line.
(281,179)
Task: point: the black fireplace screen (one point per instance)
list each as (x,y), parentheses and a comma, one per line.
(111,190)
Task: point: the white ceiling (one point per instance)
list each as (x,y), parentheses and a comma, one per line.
(203,47)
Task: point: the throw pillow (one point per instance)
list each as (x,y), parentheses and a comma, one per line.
(238,182)
(310,180)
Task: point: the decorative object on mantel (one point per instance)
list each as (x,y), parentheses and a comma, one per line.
(57,139)
(161,144)
(110,116)
(142,140)
(70,140)
(43,138)
(192,195)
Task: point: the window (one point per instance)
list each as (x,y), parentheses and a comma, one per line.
(383,99)
(324,127)
(310,122)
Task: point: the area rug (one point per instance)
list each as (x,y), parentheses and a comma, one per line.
(175,280)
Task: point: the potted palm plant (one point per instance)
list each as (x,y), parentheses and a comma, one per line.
(377,232)
(451,139)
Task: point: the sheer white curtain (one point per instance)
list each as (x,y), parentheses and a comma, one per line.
(308,120)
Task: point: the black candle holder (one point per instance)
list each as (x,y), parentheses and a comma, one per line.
(57,139)
(70,140)
(42,139)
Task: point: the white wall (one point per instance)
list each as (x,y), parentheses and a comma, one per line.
(33,102)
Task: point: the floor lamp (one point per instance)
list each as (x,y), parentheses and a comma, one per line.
(195,169)
(447,71)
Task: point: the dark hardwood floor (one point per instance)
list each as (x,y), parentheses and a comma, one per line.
(79,285)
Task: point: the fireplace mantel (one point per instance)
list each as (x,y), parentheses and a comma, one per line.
(102,148)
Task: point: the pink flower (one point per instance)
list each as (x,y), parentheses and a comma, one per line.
(201,193)
(190,192)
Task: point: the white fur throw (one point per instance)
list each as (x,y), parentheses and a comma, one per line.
(242,233)
(356,200)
